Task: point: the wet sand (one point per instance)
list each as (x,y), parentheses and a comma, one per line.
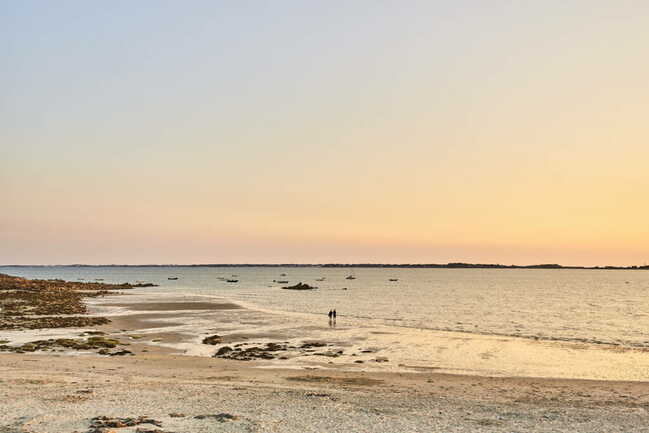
(174,306)
(189,319)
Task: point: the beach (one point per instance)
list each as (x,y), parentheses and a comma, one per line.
(63,394)
(292,372)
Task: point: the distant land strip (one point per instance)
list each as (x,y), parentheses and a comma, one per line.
(458,265)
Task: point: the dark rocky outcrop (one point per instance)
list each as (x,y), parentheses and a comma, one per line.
(300,286)
(213,340)
(25,302)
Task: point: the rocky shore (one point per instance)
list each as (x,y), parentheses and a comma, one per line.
(38,304)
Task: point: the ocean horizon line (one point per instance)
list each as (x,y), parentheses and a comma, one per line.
(450,265)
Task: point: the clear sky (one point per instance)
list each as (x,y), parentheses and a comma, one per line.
(324,131)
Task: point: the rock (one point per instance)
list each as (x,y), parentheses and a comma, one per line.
(101,422)
(213,340)
(274,347)
(300,286)
(103,342)
(220,417)
(121,353)
(223,350)
(313,344)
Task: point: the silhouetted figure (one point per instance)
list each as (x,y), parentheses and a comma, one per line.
(333,314)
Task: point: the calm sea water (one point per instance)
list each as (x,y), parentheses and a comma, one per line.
(583,305)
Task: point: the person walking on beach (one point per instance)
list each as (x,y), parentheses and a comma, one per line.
(333,314)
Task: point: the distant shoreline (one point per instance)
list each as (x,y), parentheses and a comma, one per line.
(457,265)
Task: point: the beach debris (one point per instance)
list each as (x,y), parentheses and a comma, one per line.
(381,359)
(213,340)
(220,417)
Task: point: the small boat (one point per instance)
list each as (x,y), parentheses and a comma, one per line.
(172,278)
(282,281)
(350,277)
(320,279)
(232,281)
(282,275)
(394,279)
(99,279)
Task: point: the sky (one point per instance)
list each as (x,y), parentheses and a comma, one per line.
(324,131)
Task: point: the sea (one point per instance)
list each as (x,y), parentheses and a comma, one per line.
(594,306)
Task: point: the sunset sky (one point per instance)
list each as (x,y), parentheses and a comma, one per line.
(324,131)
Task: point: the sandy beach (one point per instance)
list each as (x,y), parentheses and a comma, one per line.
(63,394)
(291,372)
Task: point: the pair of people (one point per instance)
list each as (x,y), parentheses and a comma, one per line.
(332,314)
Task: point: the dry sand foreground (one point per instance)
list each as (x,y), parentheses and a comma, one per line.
(58,393)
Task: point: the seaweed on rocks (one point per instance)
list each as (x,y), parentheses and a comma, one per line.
(90,343)
(37,304)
